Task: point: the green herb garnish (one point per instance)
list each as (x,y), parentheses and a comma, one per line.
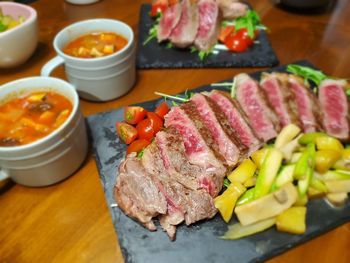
(316,76)
(251,21)
(153,32)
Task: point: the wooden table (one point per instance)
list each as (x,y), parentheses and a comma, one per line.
(70,222)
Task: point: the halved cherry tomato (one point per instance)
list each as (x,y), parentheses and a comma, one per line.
(126,132)
(137,145)
(156,121)
(158,7)
(235,43)
(162,109)
(225,31)
(134,114)
(145,129)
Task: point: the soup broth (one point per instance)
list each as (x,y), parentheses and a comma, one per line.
(26,119)
(94,45)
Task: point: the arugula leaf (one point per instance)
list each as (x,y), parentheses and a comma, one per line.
(250,21)
(169,45)
(316,76)
(348,92)
(153,31)
(201,53)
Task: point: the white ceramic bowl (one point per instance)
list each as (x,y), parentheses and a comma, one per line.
(18,44)
(51,158)
(97,79)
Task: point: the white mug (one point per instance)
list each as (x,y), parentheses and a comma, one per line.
(53,157)
(97,79)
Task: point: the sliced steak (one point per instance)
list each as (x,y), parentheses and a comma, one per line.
(276,87)
(230,146)
(201,148)
(334,104)
(168,22)
(254,103)
(310,114)
(232,9)
(237,119)
(137,194)
(186,29)
(209,25)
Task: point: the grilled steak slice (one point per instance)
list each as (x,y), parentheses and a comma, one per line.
(201,149)
(276,87)
(230,146)
(309,111)
(255,105)
(168,22)
(334,104)
(209,25)
(137,194)
(173,153)
(237,119)
(186,29)
(232,9)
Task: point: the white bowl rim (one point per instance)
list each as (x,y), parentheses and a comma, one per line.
(55,132)
(33,16)
(90,60)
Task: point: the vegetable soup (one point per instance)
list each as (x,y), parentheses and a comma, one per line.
(26,119)
(96,44)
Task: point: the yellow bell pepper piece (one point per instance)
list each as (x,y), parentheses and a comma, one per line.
(226,202)
(243,172)
(259,156)
(325,159)
(329,143)
(292,220)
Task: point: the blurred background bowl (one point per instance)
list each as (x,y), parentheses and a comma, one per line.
(305,4)
(18,44)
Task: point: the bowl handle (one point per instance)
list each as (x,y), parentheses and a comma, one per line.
(3,175)
(51,65)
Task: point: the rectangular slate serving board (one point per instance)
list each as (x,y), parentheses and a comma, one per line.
(154,55)
(198,242)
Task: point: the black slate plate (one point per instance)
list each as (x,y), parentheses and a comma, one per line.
(199,242)
(154,55)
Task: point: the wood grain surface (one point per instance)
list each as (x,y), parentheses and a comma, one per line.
(69,221)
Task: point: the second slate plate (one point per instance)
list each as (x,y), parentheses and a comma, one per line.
(155,55)
(199,242)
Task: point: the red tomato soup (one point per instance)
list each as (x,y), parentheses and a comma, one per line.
(94,45)
(26,119)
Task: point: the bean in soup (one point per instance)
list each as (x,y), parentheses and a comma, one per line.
(26,119)
(96,44)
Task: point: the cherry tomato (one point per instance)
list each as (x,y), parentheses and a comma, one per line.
(126,132)
(235,43)
(145,129)
(158,8)
(162,109)
(137,145)
(134,114)
(225,31)
(156,121)
(243,33)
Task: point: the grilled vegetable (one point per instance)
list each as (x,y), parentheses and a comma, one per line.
(258,157)
(329,143)
(268,172)
(243,172)
(338,186)
(267,206)
(237,230)
(227,200)
(292,220)
(311,137)
(287,134)
(325,159)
